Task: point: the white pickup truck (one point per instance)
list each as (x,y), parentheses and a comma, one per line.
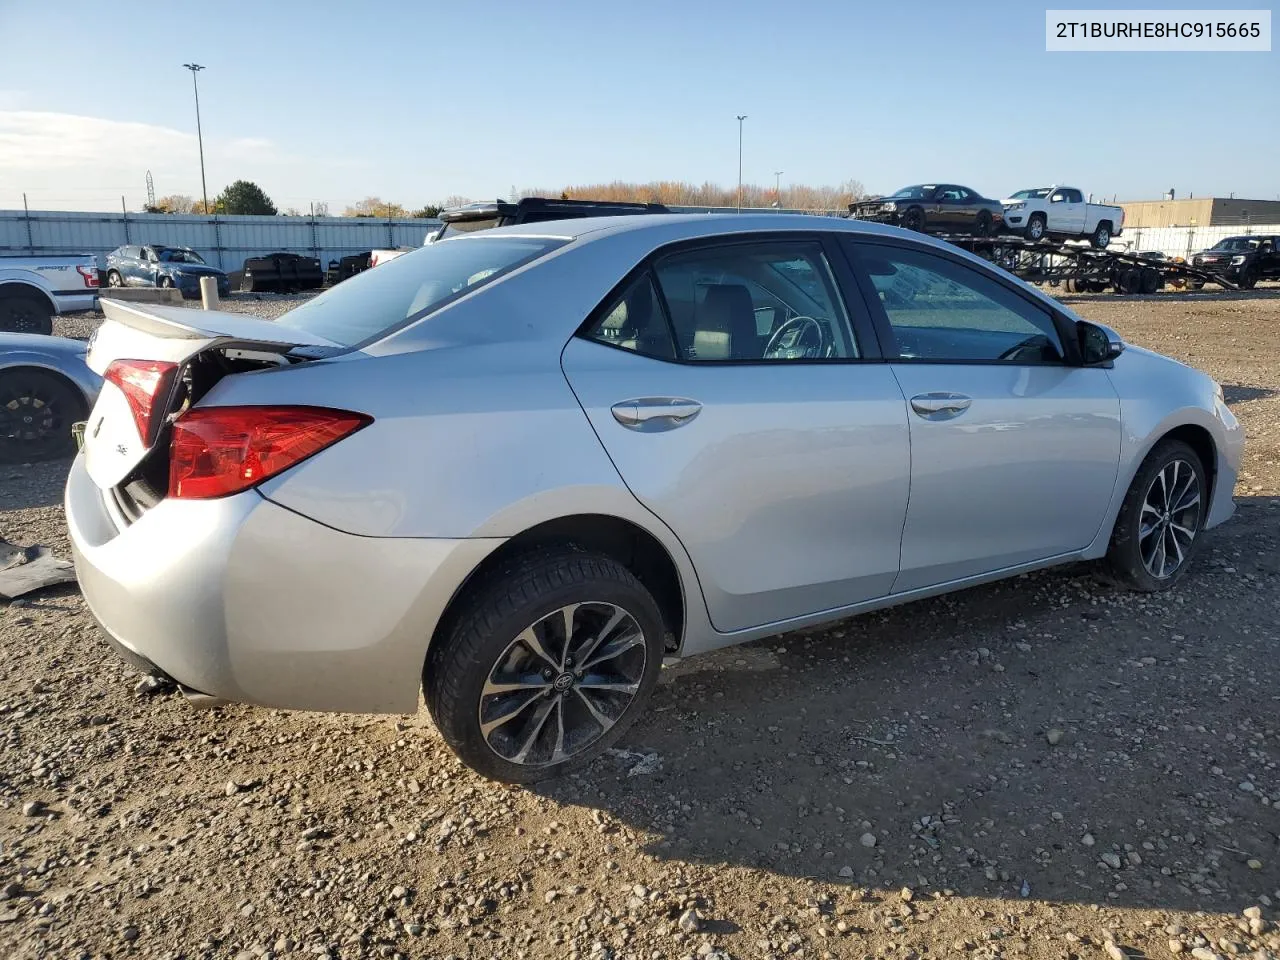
(1056,211)
(35,289)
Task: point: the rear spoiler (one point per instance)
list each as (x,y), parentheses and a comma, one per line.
(183,323)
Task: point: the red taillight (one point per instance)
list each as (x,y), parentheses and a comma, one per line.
(222,450)
(90,275)
(144,383)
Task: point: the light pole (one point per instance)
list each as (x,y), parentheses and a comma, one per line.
(740,119)
(204,190)
(777,187)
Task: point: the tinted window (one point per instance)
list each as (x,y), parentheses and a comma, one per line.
(774,301)
(373,303)
(635,321)
(466,226)
(943,310)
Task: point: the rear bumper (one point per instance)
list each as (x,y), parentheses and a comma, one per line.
(76,302)
(244,600)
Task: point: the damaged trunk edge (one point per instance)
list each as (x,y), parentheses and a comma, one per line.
(205,346)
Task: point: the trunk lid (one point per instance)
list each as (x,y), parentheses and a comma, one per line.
(161,335)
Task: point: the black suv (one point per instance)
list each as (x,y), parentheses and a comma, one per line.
(1243,260)
(500,213)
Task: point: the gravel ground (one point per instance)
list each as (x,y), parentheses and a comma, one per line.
(1043,768)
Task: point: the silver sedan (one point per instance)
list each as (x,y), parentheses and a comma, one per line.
(518,469)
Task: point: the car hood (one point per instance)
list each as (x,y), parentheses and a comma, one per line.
(41,343)
(194,269)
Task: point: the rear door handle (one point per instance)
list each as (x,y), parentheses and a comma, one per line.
(655,413)
(940,406)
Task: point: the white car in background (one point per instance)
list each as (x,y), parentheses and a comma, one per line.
(1040,212)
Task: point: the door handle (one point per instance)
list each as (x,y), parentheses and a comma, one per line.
(940,406)
(655,413)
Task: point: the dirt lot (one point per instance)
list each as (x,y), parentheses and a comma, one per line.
(1044,768)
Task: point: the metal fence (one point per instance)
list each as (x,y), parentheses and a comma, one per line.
(1184,241)
(222,240)
(227,241)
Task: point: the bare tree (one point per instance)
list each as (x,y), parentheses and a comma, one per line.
(375,207)
(176,203)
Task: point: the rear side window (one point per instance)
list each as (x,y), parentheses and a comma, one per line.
(378,301)
(635,321)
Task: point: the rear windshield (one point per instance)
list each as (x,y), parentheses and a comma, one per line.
(455,227)
(373,303)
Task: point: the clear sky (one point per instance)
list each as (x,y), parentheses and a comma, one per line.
(419,101)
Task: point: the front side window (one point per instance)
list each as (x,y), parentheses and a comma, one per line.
(373,303)
(941,310)
(755,302)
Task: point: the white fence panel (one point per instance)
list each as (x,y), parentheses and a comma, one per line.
(1184,241)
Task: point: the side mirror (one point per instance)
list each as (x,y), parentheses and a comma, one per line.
(1097,344)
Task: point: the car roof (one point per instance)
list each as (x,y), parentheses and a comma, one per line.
(678,226)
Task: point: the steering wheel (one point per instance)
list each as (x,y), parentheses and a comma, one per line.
(1036,342)
(793,333)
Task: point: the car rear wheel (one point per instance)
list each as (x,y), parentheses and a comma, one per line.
(1101,236)
(1035,227)
(25,315)
(165,282)
(1158,530)
(983,227)
(544,664)
(114,279)
(37,409)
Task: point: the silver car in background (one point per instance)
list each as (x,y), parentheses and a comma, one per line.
(45,387)
(518,469)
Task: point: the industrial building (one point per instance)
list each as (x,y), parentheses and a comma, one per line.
(1199,212)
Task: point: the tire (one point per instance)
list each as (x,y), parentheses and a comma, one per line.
(165,283)
(913,219)
(37,408)
(1151,280)
(1035,229)
(1129,281)
(1101,237)
(114,279)
(1248,279)
(23,314)
(983,226)
(1127,556)
(525,596)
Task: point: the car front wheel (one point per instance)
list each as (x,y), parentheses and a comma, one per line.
(1158,530)
(544,664)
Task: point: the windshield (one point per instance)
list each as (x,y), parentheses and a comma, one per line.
(180,256)
(373,303)
(1237,244)
(1035,193)
(921,192)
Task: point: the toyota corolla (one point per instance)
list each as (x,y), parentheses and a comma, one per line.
(516,470)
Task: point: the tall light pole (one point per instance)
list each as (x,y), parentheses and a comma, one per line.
(204,190)
(740,119)
(777,187)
